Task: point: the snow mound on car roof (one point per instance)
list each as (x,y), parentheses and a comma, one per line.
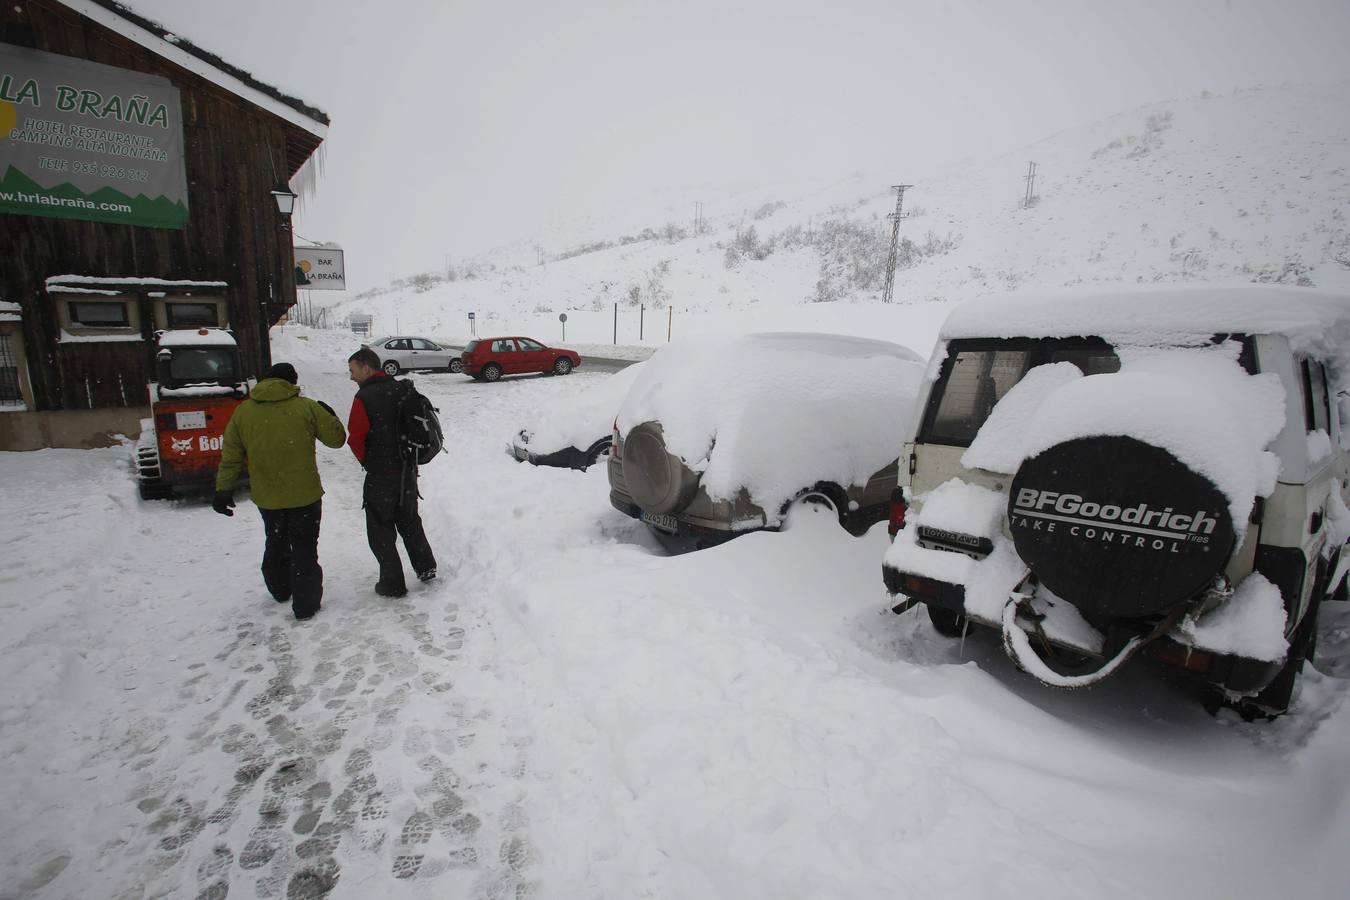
(1197,404)
(775,413)
(581,420)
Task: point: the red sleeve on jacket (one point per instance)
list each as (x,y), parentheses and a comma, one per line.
(358,426)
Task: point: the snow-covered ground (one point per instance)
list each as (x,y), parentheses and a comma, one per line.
(568,713)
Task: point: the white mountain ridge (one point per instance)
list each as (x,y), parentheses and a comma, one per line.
(1252,186)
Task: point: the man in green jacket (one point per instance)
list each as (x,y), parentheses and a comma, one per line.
(273,433)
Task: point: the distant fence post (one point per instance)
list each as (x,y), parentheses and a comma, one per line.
(616,324)
(670,322)
(642,312)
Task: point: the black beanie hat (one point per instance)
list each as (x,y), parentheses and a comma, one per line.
(284,371)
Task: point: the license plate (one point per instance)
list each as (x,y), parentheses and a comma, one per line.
(188,420)
(664,522)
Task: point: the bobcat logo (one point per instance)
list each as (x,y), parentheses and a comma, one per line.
(181,445)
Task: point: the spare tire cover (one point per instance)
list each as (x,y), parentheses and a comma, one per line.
(658,481)
(1117,527)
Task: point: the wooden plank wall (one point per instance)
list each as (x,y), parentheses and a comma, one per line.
(235,155)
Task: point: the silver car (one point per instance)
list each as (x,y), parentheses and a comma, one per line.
(402,352)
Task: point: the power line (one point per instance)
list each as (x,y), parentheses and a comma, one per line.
(888,290)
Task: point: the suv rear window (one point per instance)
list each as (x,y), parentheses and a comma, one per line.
(977,374)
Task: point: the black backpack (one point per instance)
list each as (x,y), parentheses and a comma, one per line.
(419,431)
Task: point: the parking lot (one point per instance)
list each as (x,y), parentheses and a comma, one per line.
(569,712)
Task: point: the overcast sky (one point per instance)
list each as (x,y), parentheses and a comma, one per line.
(458,126)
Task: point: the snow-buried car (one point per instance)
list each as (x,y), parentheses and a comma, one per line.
(575,432)
(721,435)
(1099,474)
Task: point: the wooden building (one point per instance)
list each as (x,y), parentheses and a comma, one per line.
(81,300)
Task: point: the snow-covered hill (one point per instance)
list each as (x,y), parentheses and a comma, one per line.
(1253,186)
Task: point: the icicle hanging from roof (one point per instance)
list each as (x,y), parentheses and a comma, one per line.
(305,182)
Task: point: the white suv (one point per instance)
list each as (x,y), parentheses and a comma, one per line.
(1100,474)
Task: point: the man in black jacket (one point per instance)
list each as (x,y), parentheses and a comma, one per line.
(391,476)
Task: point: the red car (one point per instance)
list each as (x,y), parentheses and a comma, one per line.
(488,359)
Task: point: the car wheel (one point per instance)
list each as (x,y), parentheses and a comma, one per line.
(390,368)
(947,623)
(1274,699)
(492,372)
(562,366)
(823,495)
(456,366)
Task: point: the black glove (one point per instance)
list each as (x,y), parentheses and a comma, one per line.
(224,503)
(328,409)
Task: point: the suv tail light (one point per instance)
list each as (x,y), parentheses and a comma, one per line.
(616,448)
(898,509)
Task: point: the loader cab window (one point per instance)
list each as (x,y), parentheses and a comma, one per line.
(203,365)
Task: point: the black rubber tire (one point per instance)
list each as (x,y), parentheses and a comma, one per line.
(947,623)
(827,495)
(492,372)
(562,366)
(155,491)
(456,366)
(390,368)
(1275,698)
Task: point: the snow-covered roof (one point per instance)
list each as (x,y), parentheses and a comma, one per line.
(10,312)
(65,282)
(80,290)
(1314,321)
(67,338)
(198,337)
(158,39)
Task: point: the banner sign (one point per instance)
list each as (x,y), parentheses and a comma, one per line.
(81,140)
(319,269)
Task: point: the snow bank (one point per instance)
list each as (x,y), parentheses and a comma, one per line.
(1319,445)
(966,509)
(67,338)
(581,420)
(1251,623)
(778,412)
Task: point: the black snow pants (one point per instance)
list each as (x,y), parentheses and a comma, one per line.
(391,512)
(290,564)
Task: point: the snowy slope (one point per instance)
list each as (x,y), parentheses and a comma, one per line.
(1248,187)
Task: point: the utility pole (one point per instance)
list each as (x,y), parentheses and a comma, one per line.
(1031,185)
(698,218)
(888,290)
